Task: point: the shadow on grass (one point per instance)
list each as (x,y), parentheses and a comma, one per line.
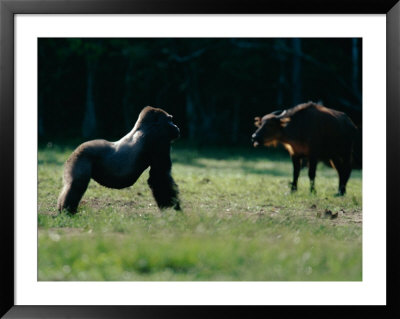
(244,168)
(51,161)
(182,152)
(189,155)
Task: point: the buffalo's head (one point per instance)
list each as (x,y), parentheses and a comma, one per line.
(269,128)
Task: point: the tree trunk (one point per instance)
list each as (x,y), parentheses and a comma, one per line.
(190,115)
(281,84)
(281,57)
(235,121)
(194,113)
(355,64)
(89,120)
(40,115)
(296,75)
(126,101)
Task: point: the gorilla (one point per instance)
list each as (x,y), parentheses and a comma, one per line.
(119,164)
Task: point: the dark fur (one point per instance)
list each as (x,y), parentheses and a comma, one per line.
(314,132)
(119,164)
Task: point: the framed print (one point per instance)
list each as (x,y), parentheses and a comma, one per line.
(212,220)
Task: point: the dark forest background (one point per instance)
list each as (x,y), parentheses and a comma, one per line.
(214,87)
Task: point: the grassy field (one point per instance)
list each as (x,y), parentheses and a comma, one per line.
(239,222)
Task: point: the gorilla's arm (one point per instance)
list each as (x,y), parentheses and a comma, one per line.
(163,186)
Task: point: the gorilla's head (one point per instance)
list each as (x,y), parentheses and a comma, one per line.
(158,122)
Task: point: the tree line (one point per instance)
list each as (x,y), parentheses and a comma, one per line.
(95,87)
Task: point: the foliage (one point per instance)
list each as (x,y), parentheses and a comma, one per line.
(214,87)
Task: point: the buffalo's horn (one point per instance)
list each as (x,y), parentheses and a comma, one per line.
(276,112)
(282,114)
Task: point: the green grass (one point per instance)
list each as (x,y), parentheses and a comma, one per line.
(239,222)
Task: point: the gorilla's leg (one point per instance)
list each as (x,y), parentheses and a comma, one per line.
(76,179)
(164,188)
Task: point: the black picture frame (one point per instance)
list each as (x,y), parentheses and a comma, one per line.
(8,10)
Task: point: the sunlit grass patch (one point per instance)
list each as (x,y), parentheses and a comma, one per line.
(239,222)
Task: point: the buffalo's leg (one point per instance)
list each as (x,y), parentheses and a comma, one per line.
(312,167)
(343,167)
(296,172)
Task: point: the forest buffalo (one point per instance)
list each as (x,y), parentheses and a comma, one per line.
(313,132)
